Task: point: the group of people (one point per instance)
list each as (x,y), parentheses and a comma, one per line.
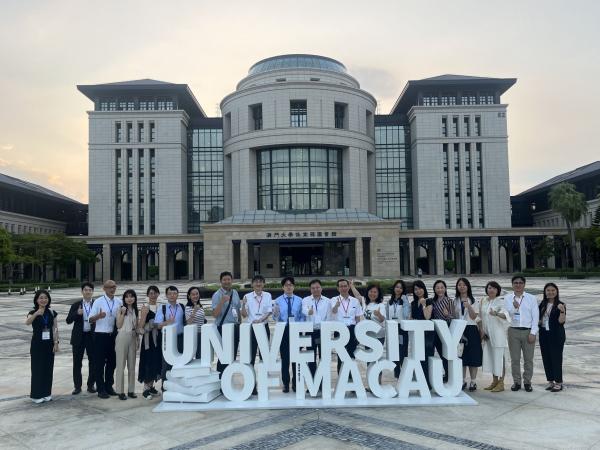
(110,329)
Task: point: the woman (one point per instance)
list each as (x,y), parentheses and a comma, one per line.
(194,313)
(444,308)
(422,309)
(44,344)
(472,353)
(494,324)
(553,314)
(398,308)
(150,354)
(126,344)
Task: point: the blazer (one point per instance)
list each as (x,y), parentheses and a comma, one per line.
(556,330)
(77,321)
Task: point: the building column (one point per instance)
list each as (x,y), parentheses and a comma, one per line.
(522,253)
(77,269)
(495,254)
(467,256)
(358,258)
(439,256)
(411,257)
(134,262)
(244,269)
(162,261)
(106,262)
(190,261)
(551,262)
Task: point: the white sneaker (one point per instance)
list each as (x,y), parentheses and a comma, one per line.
(47,399)
(37,400)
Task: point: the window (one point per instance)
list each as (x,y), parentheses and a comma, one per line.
(457,186)
(118,132)
(112,105)
(477,125)
(444,126)
(430,100)
(147,105)
(129,191)
(141,190)
(126,105)
(448,99)
(467,123)
(298,113)
(256,117)
(468,98)
(370,123)
(104,104)
(227,126)
(152,192)
(486,98)
(141,132)
(129,131)
(468,181)
(340,115)
(479,183)
(299,178)
(165,104)
(118,190)
(446,185)
(152,132)
(455,126)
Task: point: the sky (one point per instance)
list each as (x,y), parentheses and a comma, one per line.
(48,47)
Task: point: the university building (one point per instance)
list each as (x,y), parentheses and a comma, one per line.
(300,176)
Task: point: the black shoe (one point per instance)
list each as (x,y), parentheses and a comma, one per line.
(464,386)
(131,395)
(111,391)
(472,387)
(294,387)
(147,394)
(122,397)
(153,391)
(76,391)
(556,388)
(550,386)
(103,395)
(286,388)
(515,387)
(91,390)
(254,392)
(528,387)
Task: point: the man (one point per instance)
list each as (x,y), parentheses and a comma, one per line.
(226,309)
(287,307)
(171,314)
(348,310)
(103,316)
(81,337)
(524,315)
(317,309)
(257,306)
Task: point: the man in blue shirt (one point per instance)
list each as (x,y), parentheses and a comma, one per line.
(287,307)
(226,309)
(172,313)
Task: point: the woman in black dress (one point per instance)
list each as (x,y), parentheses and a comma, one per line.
(150,364)
(472,352)
(399,309)
(44,343)
(553,314)
(422,309)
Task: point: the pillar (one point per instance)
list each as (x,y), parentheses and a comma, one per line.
(358,258)
(190,261)
(439,256)
(551,262)
(134,262)
(494,246)
(485,259)
(162,261)
(522,253)
(77,269)
(411,257)
(106,262)
(467,256)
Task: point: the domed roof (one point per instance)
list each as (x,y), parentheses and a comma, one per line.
(297,62)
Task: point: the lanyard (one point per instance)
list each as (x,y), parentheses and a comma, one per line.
(45,319)
(256,297)
(86,309)
(110,307)
(171,313)
(347,306)
(522,297)
(316,303)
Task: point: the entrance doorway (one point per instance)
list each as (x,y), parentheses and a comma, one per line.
(301,260)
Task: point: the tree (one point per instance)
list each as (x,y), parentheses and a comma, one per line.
(571,205)
(596,218)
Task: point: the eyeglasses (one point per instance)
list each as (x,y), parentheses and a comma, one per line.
(518,282)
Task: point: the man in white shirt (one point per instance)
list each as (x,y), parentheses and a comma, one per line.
(524,315)
(103,316)
(316,308)
(348,310)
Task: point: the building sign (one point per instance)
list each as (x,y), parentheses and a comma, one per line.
(386,256)
(299,234)
(192,384)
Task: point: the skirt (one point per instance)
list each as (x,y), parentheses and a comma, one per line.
(473,353)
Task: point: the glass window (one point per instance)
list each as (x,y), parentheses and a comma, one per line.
(129,131)
(299,178)
(455,126)
(257,117)
(477,125)
(118,132)
(467,125)
(340,115)
(298,113)
(444,126)
(141,132)
(118,190)
(152,132)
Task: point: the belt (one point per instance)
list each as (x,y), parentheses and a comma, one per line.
(521,328)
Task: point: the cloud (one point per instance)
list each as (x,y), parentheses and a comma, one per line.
(6,147)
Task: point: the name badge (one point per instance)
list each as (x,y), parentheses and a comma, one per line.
(45,335)
(517,318)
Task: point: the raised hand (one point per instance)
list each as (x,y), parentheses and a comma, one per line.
(226,298)
(561,308)
(80,311)
(101,314)
(41,310)
(123,310)
(310,311)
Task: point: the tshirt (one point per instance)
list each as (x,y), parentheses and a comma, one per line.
(370,315)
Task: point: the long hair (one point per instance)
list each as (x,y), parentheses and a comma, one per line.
(189,296)
(469,292)
(544,303)
(37,296)
(379,298)
(393,298)
(435,297)
(420,284)
(134,305)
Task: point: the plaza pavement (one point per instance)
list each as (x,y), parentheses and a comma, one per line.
(569,419)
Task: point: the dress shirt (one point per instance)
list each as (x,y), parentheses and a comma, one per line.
(110,307)
(289,306)
(258,305)
(321,310)
(171,311)
(527,315)
(87,309)
(399,312)
(349,309)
